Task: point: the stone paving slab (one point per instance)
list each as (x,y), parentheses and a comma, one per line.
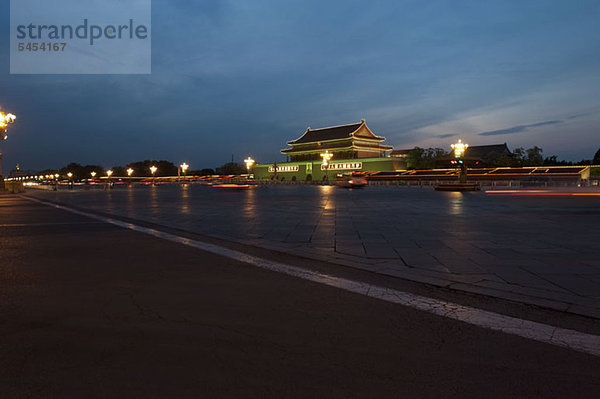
(534,250)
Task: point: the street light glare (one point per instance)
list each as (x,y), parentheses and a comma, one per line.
(249,163)
(326,157)
(5,119)
(129,172)
(184,166)
(459,148)
(153,169)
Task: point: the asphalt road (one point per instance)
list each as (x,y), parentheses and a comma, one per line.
(88,309)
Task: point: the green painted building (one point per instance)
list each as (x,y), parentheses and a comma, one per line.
(353,147)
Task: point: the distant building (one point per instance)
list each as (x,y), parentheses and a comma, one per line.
(354,147)
(345,142)
(485,152)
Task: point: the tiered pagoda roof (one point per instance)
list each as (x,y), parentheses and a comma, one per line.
(351,137)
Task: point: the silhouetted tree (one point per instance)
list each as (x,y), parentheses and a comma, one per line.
(596,160)
(518,157)
(424,158)
(81,172)
(534,156)
(201,172)
(232,168)
(142,168)
(119,171)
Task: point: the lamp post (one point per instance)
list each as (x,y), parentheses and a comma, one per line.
(93,174)
(249,164)
(109,174)
(129,173)
(182,168)
(459,151)
(5,120)
(153,170)
(326,157)
(70,176)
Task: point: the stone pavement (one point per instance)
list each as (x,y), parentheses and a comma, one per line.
(536,250)
(91,310)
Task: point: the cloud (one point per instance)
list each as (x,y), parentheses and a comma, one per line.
(581,115)
(518,129)
(444,136)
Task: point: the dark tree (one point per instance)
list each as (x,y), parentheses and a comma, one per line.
(424,158)
(81,172)
(201,172)
(518,157)
(119,171)
(596,160)
(142,168)
(232,168)
(534,156)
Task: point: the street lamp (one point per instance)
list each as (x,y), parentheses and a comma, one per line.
(69,175)
(108,174)
(459,151)
(153,170)
(93,174)
(129,173)
(326,157)
(182,168)
(249,164)
(5,120)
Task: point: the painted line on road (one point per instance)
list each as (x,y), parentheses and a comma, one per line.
(47,224)
(575,340)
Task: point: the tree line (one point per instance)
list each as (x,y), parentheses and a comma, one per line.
(141,169)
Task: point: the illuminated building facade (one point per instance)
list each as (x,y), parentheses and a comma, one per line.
(354,147)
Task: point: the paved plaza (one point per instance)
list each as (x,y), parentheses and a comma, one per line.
(536,250)
(89,309)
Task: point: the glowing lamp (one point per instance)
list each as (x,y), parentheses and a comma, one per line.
(326,157)
(459,149)
(249,163)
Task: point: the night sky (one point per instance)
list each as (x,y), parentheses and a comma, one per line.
(243,77)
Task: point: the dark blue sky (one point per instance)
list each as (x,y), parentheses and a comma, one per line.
(244,77)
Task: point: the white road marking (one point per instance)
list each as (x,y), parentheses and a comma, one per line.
(47,224)
(575,340)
